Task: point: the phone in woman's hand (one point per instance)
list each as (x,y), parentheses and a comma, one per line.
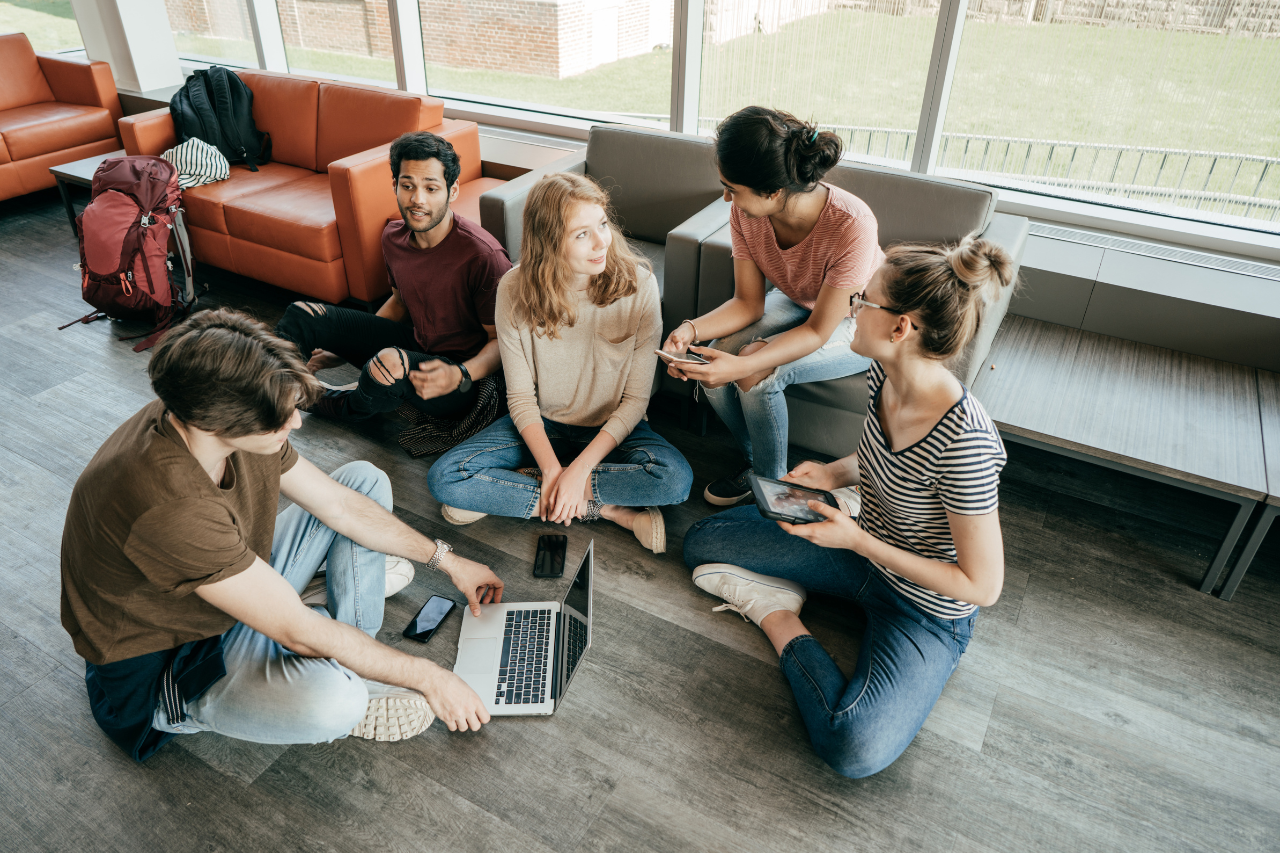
(681,358)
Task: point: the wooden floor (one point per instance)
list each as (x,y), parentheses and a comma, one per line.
(1104,703)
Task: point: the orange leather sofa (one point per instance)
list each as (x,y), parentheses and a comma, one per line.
(311,220)
(52,111)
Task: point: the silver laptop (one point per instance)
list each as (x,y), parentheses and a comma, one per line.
(520,657)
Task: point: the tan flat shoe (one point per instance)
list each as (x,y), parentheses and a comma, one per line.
(651,529)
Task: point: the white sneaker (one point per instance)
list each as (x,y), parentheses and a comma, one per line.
(390,718)
(754,596)
(453,515)
(399,575)
(329,386)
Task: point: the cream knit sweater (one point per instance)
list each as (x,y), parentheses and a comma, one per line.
(598,372)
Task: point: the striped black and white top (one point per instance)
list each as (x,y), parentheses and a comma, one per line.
(906,494)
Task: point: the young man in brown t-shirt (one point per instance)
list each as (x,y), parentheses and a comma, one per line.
(166,588)
(444,273)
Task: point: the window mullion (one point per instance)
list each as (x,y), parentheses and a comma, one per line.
(942,67)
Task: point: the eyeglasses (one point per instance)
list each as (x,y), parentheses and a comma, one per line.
(857,303)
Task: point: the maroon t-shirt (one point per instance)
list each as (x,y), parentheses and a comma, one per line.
(450,289)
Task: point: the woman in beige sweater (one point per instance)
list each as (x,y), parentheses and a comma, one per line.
(578,321)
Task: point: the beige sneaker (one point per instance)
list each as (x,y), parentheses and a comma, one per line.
(397,717)
(651,529)
(453,515)
(753,595)
(399,575)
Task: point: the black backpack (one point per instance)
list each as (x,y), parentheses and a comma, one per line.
(216,106)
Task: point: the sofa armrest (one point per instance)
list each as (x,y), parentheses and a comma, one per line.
(680,277)
(1010,232)
(502,208)
(363,200)
(148,133)
(81,81)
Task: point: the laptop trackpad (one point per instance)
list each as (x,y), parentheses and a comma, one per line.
(476,657)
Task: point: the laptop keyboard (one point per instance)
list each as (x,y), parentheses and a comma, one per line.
(523,668)
(575,643)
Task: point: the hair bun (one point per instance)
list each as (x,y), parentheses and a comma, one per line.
(977,263)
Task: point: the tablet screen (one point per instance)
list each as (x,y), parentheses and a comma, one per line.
(790,500)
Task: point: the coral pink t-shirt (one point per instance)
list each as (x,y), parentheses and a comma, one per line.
(842,250)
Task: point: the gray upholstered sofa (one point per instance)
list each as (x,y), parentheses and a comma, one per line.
(827,416)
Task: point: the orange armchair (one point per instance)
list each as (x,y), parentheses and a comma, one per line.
(311,220)
(52,111)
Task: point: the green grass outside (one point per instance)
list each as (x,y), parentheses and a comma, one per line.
(50,25)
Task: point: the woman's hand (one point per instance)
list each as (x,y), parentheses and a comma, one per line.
(838,531)
(813,475)
(721,368)
(567,499)
(323,360)
(677,343)
(546,494)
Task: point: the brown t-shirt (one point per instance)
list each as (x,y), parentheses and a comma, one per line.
(448,289)
(146,526)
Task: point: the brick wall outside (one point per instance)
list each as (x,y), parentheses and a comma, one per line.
(227,19)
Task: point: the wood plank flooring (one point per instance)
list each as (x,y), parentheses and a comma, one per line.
(1103,705)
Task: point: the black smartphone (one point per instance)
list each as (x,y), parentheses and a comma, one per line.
(549,561)
(429,618)
(788,502)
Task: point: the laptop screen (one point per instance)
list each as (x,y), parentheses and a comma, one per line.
(574,624)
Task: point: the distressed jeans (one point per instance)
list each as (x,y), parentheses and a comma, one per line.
(758,418)
(482,475)
(859,725)
(270,694)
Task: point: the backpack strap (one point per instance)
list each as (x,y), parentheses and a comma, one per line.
(223,104)
(183,239)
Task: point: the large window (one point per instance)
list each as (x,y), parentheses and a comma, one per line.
(593,56)
(342,39)
(856,68)
(50,25)
(215,31)
(1172,107)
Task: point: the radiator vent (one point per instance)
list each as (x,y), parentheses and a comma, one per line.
(1157,250)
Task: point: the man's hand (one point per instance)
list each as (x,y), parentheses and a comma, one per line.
(813,475)
(435,378)
(838,531)
(452,700)
(323,360)
(474,580)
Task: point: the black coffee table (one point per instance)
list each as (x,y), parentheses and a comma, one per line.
(80,173)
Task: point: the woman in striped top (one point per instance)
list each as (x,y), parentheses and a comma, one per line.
(817,244)
(925,550)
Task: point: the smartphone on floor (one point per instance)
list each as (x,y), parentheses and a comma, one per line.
(549,561)
(429,618)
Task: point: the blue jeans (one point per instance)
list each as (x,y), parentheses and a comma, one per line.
(480,474)
(862,725)
(758,418)
(270,694)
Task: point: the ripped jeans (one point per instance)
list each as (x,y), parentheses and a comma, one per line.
(758,418)
(483,473)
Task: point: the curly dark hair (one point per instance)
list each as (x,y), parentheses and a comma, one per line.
(421,145)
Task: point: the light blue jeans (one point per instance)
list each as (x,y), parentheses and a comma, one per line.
(758,418)
(481,473)
(860,725)
(270,694)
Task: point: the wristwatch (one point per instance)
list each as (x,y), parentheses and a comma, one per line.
(465,385)
(442,548)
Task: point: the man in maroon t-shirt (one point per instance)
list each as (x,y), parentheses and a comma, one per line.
(434,338)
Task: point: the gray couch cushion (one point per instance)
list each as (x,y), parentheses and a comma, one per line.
(656,180)
(657,255)
(847,392)
(917,208)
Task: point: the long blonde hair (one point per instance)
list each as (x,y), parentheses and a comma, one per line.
(544,296)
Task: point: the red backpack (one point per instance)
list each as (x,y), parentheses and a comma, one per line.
(125,266)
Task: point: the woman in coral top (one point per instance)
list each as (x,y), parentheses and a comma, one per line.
(817,244)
